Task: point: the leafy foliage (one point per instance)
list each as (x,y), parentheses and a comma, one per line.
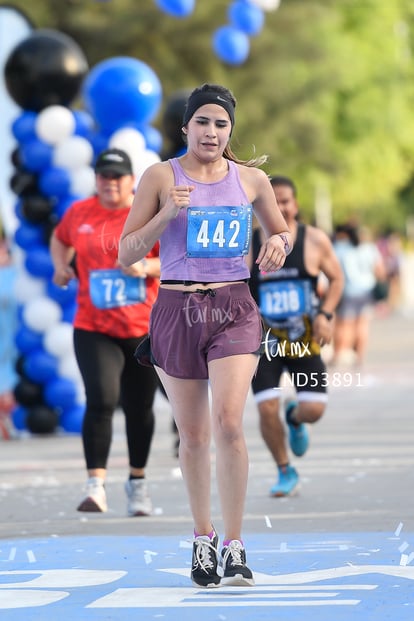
(327,91)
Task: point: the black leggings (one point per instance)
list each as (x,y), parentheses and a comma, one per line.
(113,377)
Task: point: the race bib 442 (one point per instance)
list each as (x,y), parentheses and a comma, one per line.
(218,231)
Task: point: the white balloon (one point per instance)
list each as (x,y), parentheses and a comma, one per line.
(72,153)
(267,5)
(80,393)
(82,181)
(27,287)
(68,367)
(58,340)
(141,161)
(54,124)
(41,313)
(129,140)
(19,257)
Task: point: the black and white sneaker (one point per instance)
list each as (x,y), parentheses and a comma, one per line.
(235,570)
(205,562)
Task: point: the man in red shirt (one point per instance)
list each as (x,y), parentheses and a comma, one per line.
(113,309)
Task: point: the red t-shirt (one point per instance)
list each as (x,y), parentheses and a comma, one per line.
(94,232)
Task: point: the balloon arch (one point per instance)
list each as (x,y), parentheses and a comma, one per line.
(53,166)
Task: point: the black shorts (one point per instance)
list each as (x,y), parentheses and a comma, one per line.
(308,376)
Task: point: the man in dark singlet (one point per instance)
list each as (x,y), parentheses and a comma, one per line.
(298,321)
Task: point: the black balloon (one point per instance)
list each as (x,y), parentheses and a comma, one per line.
(15,158)
(47,68)
(28,393)
(42,420)
(37,208)
(19,365)
(172,121)
(23,182)
(49,226)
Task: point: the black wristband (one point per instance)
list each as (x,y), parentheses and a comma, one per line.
(329,316)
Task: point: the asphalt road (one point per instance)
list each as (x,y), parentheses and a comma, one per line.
(342,547)
(358,474)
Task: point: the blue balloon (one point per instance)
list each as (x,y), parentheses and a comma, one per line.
(63,296)
(71,419)
(181,152)
(36,155)
(38,262)
(231,45)
(63,204)
(28,235)
(54,181)
(20,313)
(99,142)
(18,209)
(176,8)
(120,91)
(28,340)
(153,137)
(18,417)
(40,366)
(246,16)
(84,123)
(69,311)
(23,128)
(60,392)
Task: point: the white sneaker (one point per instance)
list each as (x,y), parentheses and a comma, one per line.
(95,499)
(139,502)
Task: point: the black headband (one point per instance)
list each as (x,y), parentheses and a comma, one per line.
(202,98)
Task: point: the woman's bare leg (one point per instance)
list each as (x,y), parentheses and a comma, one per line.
(230,379)
(190,406)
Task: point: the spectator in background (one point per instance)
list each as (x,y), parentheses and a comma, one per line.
(112,319)
(389,245)
(362,266)
(8,309)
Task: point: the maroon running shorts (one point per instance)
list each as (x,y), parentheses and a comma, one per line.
(189,329)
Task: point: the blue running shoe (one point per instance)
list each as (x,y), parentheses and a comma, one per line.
(287,484)
(298,434)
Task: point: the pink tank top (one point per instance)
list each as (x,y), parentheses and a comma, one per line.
(203,255)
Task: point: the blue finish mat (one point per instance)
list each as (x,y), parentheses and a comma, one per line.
(308,576)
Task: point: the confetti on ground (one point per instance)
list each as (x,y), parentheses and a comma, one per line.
(148,554)
(398,529)
(406,559)
(403,547)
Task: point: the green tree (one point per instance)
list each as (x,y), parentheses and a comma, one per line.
(327,90)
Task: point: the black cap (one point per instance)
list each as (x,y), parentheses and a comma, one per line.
(114,161)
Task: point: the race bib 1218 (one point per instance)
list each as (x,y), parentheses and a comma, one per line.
(284,299)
